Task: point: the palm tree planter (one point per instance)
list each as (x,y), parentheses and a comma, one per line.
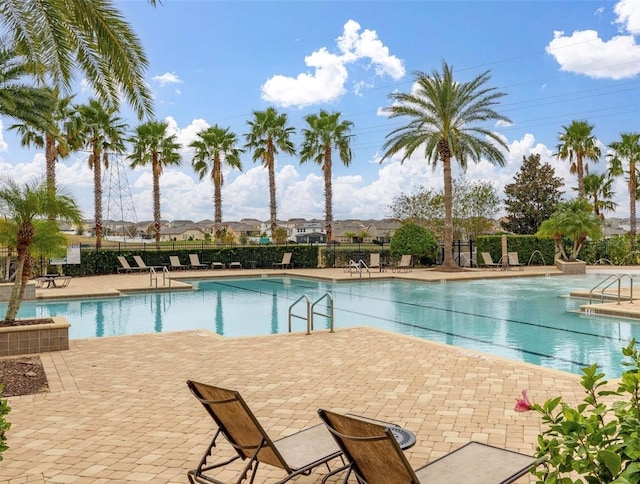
(571,267)
(6,287)
(573,220)
(34,336)
(33,210)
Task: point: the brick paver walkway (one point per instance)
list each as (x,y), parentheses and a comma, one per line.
(118,409)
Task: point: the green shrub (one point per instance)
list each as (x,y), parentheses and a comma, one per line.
(599,442)
(4,425)
(415,240)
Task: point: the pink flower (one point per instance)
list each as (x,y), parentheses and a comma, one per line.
(523,404)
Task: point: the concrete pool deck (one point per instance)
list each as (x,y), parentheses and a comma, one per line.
(118,409)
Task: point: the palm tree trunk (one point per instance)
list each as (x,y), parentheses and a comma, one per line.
(580,173)
(14,298)
(328,195)
(156,201)
(633,186)
(217,198)
(95,162)
(272,196)
(23,271)
(448,262)
(51,156)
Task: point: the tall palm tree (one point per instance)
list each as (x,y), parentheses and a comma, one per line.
(19,99)
(326,132)
(151,145)
(578,144)
(61,36)
(214,147)
(23,207)
(101,131)
(599,189)
(443,123)
(270,133)
(625,160)
(52,138)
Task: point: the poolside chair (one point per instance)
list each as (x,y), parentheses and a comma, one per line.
(375,457)
(487,261)
(174,260)
(141,264)
(124,265)
(404,265)
(286,262)
(235,265)
(194,262)
(295,454)
(374,261)
(513,260)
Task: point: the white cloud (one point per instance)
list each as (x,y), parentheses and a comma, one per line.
(584,52)
(628,12)
(367,45)
(326,84)
(327,81)
(167,78)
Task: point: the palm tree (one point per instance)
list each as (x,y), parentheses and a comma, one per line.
(101,131)
(52,138)
(577,144)
(598,188)
(270,133)
(443,116)
(326,132)
(61,36)
(23,207)
(214,147)
(575,220)
(19,99)
(627,151)
(151,145)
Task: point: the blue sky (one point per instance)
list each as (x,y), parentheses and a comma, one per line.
(214,62)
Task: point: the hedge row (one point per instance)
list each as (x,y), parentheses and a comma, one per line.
(617,250)
(94,262)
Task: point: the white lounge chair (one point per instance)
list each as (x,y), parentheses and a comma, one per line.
(141,264)
(404,265)
(487,261)
(176,264)
(286,262)
(194,262)
(124,265)
(513,260)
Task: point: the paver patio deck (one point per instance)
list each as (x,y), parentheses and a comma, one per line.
(118,409)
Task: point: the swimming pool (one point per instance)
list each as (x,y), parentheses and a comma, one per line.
(526,319)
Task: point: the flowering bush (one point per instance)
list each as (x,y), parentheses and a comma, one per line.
(598,442)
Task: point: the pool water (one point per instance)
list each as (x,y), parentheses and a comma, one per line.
(526,319)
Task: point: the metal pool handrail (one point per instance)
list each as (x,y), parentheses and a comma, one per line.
(614,278)
(310,311)
(329,316)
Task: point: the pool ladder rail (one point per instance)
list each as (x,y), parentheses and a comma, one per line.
(612,279)
(311,312)
(358,267)
(153,276)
